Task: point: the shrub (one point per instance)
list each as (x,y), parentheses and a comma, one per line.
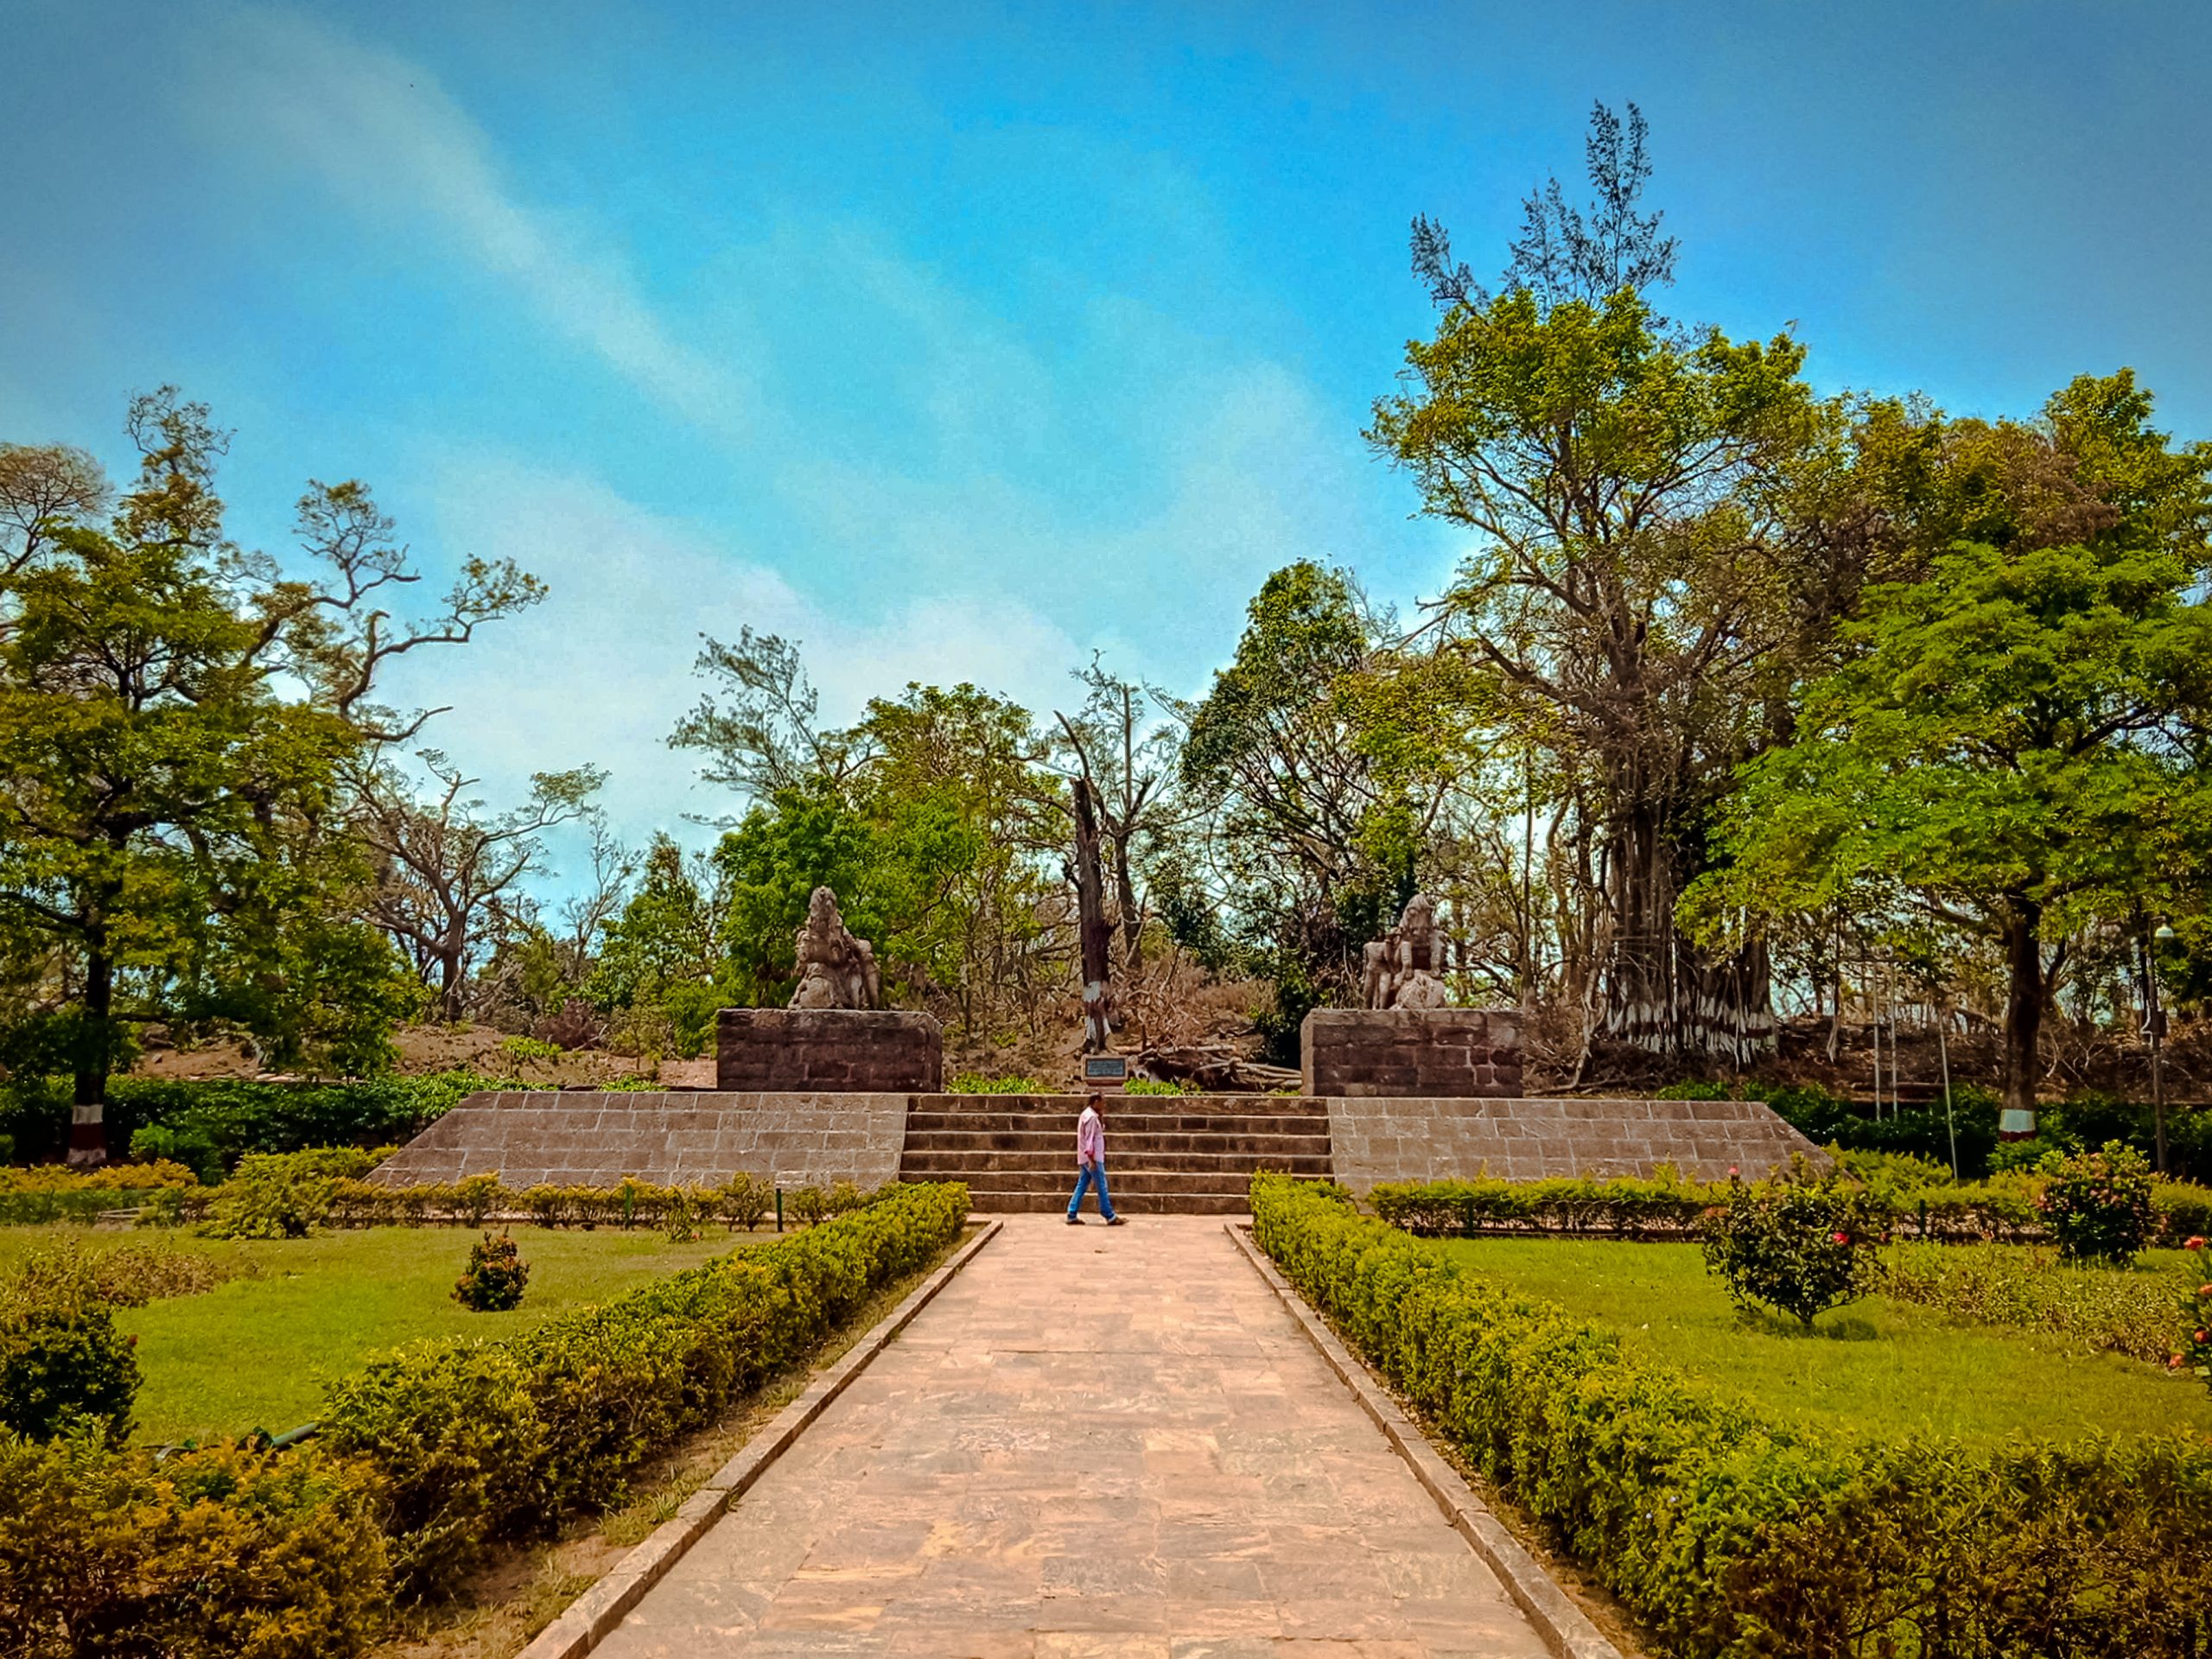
(190,1148)
(1731,1537)
(239,1116)
(2195,1350)
(745,1200)
(485,1439)
(53,1192)
(222,1551)
(492,1282)
(808,1205)
(282,1195)
(973,1082)
(1799,1246)
(529,1048)
(124,1275)
(1156,1086)
(2097,1204)
(62,1361)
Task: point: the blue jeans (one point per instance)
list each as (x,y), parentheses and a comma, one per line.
(1085,1173)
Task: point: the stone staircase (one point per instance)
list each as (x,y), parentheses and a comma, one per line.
(1184,1154)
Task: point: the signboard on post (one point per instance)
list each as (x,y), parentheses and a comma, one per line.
(1106,1072)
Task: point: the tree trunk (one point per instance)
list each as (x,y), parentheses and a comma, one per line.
(1125,895)
(449,982)
(1096,932)
(2023,1003)
(88,1109)
(1640,980)
(1726,1003)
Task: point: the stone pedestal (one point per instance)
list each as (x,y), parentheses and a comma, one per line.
(845,1051)
(1436,1053)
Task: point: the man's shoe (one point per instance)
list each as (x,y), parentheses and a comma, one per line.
(1115,1221)
(1075,1221)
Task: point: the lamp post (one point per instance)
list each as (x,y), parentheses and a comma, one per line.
(2156,1018)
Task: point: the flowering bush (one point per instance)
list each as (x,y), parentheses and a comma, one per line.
(2196,1351)
(493,1280)
(1801,1246)
(2097,1204)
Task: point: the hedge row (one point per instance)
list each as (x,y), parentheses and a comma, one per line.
(232,1117)
(424,1457)
(2000,1210)
(1730,1535)
(55,1193)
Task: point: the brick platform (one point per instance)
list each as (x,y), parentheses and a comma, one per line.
(1421,1054)
(865,1051)
(1377,1140)
(581,1138)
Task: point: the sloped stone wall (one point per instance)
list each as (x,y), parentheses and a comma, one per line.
(1382,1138)
(583,1138)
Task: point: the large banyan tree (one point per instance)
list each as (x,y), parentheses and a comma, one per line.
(1645,578)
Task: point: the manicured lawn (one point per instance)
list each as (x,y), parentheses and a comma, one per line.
(1875,1367)
(251,1352)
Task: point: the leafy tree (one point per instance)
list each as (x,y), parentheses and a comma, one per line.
(2016,753)
(175,719)
(664,951)
(1638,592)
(1326,779)
(758,725)
(449,870)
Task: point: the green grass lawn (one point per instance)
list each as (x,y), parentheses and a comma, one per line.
(251,1352)
(1874,1367)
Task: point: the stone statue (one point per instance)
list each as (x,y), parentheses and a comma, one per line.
(835,970)
(1405,967)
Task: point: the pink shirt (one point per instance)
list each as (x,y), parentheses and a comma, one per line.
(1089,1137)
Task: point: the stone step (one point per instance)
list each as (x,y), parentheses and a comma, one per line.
(1120,1105)
(956,1164)
(1152,1183)
(1059,1143)
(1119,1124)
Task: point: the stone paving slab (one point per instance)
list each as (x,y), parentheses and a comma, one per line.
(1111,1442)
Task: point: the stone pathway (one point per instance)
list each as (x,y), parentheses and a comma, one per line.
(1103,1442)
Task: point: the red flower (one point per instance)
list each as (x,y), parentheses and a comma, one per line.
(1843,1238)
(2196,1243)
(2173,1361)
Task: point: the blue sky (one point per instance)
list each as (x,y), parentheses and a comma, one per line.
(960,342)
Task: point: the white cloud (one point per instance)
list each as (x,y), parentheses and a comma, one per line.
(601,670)
(377,132)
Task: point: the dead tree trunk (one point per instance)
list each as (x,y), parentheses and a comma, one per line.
(1096,932)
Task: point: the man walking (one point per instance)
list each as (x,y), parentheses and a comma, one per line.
(1090,1164)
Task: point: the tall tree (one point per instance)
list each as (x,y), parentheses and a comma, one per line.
(176,716)
(2015,747)
(449,868)
(1126,756)
(1633,588)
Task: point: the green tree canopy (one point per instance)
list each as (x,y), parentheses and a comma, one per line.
(176,719)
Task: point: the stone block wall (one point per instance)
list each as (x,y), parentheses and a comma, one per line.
(587,1138)
(1424,1053)
(861,1050)
(1374,1140)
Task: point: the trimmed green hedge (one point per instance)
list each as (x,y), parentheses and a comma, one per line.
(230,1550)
(425,1456)
(1732,1536)
(2000,1210)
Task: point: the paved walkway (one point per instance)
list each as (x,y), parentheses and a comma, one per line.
(1092,1443)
